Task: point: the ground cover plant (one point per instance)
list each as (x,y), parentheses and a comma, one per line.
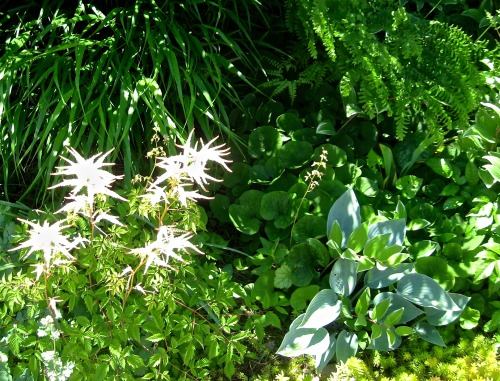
(360,213)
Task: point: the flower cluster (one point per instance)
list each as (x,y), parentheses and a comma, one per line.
(88,175)
(181,171)
(89,180)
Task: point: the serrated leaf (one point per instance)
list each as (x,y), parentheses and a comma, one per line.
(346,346)
(101,371)
(282,278)
(426,292)
(324,308)
(343,277)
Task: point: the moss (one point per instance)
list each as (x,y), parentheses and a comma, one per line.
(470,359)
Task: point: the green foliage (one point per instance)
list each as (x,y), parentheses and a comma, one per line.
(396,63)
(116,308)
(390,294)
(98,79)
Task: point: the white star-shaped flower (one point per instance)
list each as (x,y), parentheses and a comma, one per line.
(88,174)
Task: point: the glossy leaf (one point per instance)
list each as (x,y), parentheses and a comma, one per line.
(429,333)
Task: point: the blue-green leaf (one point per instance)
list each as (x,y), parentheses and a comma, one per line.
(380,277)
(396,229)
(324,308)
(343,277)
(439,317)
(397,301)
(426,292)
(347,212)
(304,341)
(429,333)
(347,345)
(323,359)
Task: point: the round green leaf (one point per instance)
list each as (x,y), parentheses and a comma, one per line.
(469,318)
(277,207)
(308,227)
(282,278)
(301,260)
(263,141)
(295,154)
(437,269)
(336,157)
(302,295)
(289,122)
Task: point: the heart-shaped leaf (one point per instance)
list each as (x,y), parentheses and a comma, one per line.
(343,277)
(347,212)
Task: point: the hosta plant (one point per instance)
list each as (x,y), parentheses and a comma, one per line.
(374,295)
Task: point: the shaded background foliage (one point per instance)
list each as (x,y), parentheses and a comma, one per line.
(77,76)
(280,84)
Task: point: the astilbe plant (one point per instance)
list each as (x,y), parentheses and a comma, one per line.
(66,248)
